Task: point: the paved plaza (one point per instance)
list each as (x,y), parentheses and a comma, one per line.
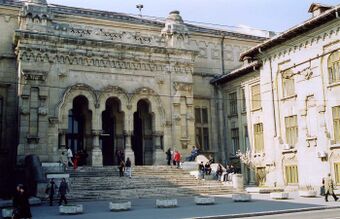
(224,206)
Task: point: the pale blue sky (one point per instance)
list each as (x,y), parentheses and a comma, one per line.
(276,15)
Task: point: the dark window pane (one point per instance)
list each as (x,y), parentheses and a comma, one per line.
(204,115)
(197,115)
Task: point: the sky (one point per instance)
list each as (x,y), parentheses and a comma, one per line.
(274,15)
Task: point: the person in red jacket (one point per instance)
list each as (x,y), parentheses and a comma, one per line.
(177,158)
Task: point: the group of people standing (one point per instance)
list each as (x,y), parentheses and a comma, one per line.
(125,167)
(67,159)
(175,156)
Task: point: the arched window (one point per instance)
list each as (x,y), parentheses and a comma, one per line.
(334,67)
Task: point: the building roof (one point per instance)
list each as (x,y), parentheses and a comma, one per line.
(236,73)
(295,31)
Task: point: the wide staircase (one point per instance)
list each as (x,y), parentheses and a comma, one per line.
(104,183)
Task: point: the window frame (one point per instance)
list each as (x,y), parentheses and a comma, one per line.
(256,97)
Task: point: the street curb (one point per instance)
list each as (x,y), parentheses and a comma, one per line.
(265,213)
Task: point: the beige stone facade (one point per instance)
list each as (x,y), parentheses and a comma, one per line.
(104,81)
(291,85)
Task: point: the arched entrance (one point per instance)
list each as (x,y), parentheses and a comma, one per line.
(142,135)
(79,126)
(112,137)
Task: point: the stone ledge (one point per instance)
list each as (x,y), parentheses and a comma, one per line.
(241,197)
(71,209)
(204,200)
(279,195)
(120,206)
(7,212)
(263,190)
(166,203)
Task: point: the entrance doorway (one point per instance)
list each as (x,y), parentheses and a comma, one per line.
(142,144)
(112,137)
(79,124)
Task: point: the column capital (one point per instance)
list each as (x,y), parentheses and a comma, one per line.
(62,131)
(127,133)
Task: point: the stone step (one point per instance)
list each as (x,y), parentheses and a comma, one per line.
(103,183)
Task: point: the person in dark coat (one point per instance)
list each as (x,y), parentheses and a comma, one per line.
(50,190)
(63,189)
(121,168)
(21,204)
(168,156)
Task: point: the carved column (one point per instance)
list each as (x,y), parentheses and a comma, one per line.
(158,153)
(128,150)
(97,156)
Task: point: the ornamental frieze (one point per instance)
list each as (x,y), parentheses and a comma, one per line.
(109,34)
(84,60)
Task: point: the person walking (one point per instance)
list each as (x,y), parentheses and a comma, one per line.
(168,156)
(21,204)
(121,168)
(201,170)
(50,190)
(177,158)
(63,189)
(329,187)
(128,167)
(69,156)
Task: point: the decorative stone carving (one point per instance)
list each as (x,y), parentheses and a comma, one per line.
(183,86)
(43,111)
(34,75)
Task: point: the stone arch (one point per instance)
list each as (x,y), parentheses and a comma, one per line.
(113,91)
(156,106)
(67,101)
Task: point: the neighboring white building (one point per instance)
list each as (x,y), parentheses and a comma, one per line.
(292,93)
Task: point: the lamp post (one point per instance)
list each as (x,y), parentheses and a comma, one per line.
(140,7)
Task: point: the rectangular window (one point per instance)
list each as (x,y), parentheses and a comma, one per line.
(202,128)
(243,94)
(336,123)
(334,67)
(291,174)
(256,97)
(233,103)
(288,85)
(235,141)
(258,138)
(337,173)
(291,130)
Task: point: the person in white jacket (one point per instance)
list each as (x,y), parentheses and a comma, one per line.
(69,155)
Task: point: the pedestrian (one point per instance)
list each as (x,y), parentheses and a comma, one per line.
(69,156)
(21,204)
(50,190)
(63,160)
(63,189)
(128,169)
(121,168)
(201,170)
(177,158)
(168,156)
(329,187)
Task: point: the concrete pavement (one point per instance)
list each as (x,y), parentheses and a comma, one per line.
(224,208)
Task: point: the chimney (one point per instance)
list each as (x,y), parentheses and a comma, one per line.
(316,9)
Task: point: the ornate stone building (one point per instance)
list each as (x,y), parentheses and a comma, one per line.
(289,92)
(103,81)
